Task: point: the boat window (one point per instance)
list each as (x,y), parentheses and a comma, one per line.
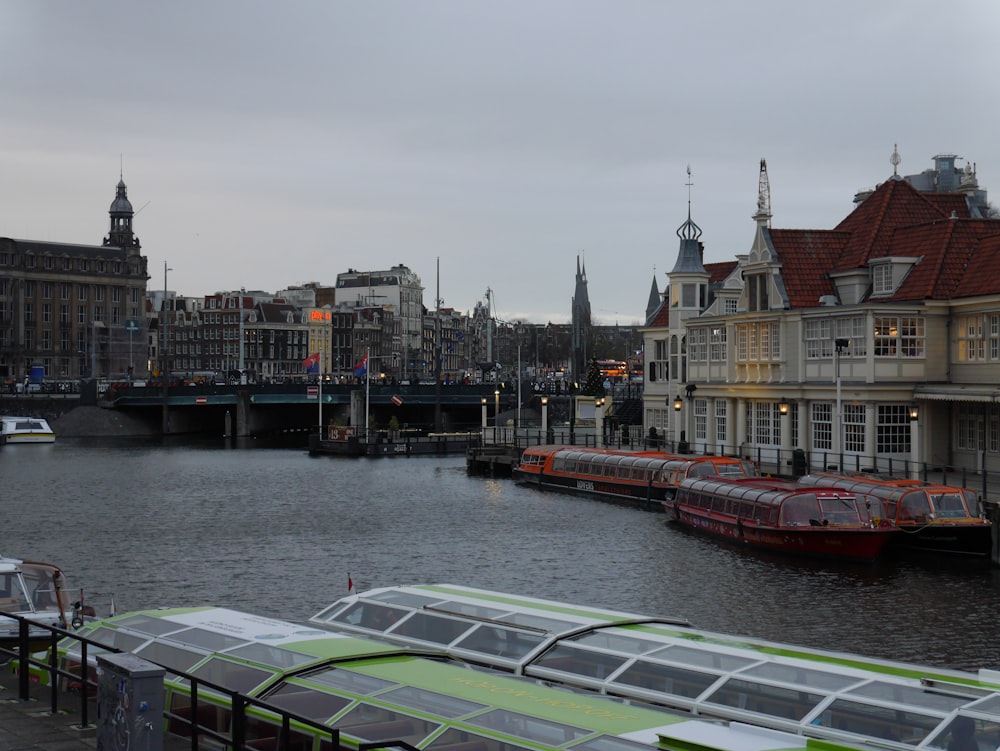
(432,702)
(120,640)
(461,740)
(535,729)
(989,704)
(800,676)
(431,628)
(467,608)
(371,723)
(348,680)
(914,695)
(966,733)
(199,637)
(761,698)
(12,596)
(500,642)
(552,625)
(666,679)
(704,658)
(617,642)
(149,625)
(169,656)
(369,615)
(235,676)
(308,702)
(914,507)
(273,656)
(581,662)
(702,469)
(890,723)
(797,510)
(837,510)
(609,743)
(949,506)
(407,599)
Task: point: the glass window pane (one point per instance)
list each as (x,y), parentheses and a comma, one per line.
(909,695)
(379,724)
(703,658)
(149,625)
(617,642)
(316,705)
(666,679)
(501,642)
(356,683)
(432,702)
(580,662)
(175,658)
(801,676)
(210,640)
(432,628)
(761,698)
(231,675)
(881,722)
(530,728)
(274,656)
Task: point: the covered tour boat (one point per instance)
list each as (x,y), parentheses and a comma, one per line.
(646,478)
(933,518)
(25,430)
(377,693)
(835,699)
(783,516)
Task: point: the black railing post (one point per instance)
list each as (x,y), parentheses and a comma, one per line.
(84,686)
(22,648)
(53,663)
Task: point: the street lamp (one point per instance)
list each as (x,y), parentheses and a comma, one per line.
(839,345)
(483,401)
(783,406)
(678,403)
(545,416)
(496,408)
(599,422)
(914,441)
(914,412)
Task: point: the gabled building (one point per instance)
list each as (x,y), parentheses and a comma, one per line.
(855,344)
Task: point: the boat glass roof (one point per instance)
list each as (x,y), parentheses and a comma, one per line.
(308,702)
(432,701)
(265,654)
(825,695)
(349,680)
(235,676)
(529,728)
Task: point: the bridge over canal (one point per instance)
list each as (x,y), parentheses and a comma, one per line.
(257,409)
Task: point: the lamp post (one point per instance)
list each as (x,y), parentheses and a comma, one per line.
(243,372)
(599,422)
(164,371)
(483,401)
(914,441)
(545,417)
(839,345)
(496,409)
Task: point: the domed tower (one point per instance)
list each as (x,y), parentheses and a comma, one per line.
(121,215)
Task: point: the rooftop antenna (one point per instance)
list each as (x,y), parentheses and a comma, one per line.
(894,160)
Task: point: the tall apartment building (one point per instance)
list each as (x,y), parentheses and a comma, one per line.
(74,310)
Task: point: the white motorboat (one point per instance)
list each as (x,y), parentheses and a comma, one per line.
(25,430)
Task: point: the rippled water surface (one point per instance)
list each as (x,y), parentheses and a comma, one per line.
(277,532)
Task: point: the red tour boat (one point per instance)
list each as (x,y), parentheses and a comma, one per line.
(783,516)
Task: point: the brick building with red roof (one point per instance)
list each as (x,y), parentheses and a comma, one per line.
(854,344)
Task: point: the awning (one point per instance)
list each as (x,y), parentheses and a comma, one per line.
(957,393)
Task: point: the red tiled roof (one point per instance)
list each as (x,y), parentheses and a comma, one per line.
(719,272)
(958,255)
(806,257)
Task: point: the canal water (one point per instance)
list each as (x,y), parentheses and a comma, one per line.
(277,532)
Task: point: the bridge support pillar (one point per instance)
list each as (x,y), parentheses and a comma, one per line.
(243,413)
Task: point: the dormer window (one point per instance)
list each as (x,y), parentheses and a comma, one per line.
(757,286)
(882,279)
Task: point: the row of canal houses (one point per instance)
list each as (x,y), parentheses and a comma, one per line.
(872,343)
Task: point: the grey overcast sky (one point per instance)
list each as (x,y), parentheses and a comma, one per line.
(268,144)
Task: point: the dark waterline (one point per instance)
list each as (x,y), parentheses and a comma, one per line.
(276,531)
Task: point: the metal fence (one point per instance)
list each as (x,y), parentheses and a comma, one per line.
(242,733)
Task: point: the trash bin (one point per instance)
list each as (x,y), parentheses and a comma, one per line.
(799,467)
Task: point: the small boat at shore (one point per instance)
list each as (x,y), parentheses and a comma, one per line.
(783,516)
(25,430)
(346,441)
(933,518)
(36,591)
(646,477)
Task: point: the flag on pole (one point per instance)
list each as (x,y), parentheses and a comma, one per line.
(311,363)
(397,400)
(362,367)
(350,585)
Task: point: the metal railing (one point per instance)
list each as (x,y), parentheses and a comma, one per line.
(236,738)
